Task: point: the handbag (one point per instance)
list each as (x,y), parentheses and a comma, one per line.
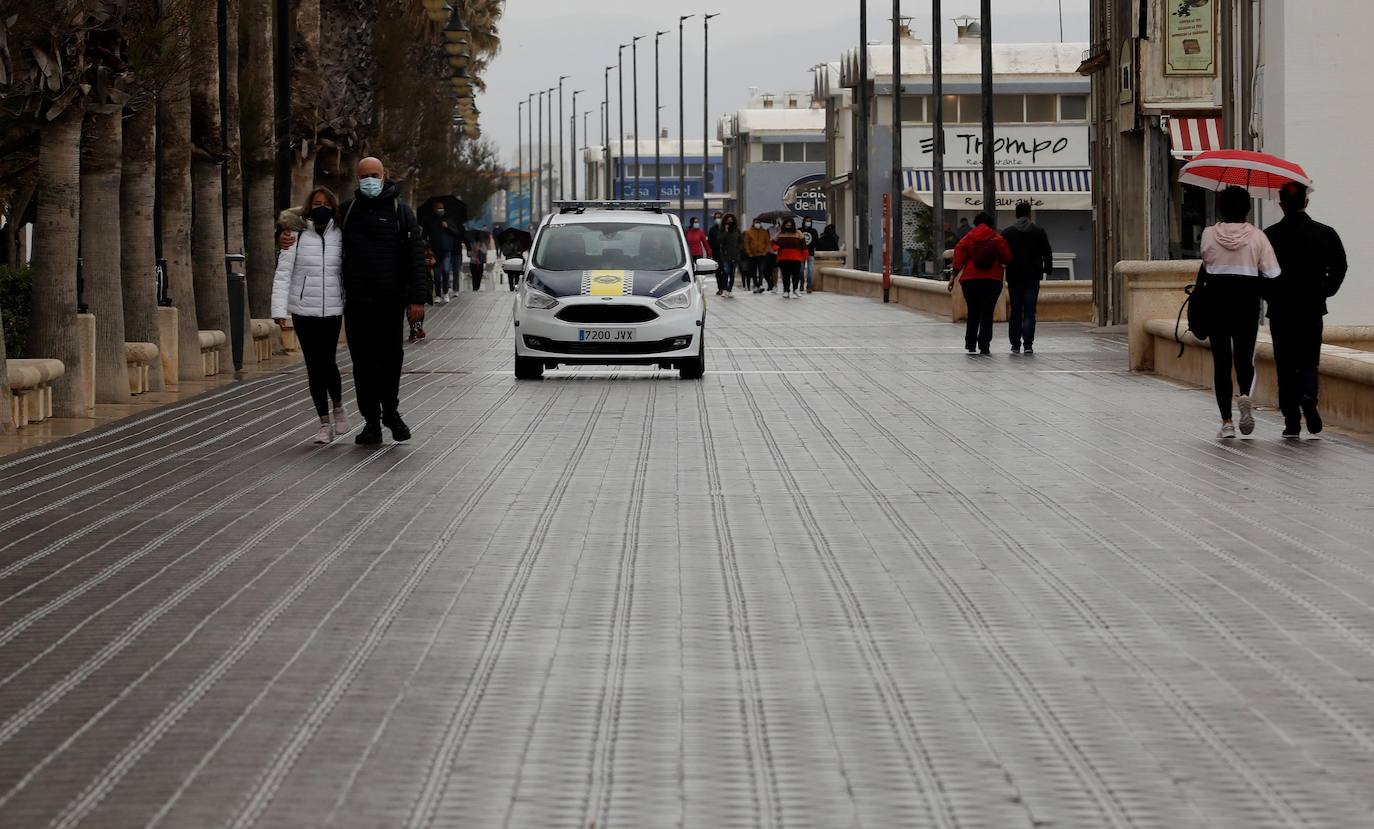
(1197,305)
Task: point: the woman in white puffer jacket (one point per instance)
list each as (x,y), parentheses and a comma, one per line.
(309,287)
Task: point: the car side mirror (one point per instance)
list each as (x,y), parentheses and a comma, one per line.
(513,266)
(705,267)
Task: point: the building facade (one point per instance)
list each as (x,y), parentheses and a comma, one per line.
(1041,138)
(775,152)
(652,172)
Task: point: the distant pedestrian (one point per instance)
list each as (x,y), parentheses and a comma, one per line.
(713,232)
(1239,262)
(961,231)
(697,243)
(830,239)
(979,262)
(729,246)
(443,236)
(1032,259)
(757,246)
(809,268)
(1314,265)
(477,258)
(792,254)
(773,230)
(308,286)
(510,247)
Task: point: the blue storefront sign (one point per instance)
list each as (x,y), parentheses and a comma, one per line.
(806,198)
(645,190)
(517,209)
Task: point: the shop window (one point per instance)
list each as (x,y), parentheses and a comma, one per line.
(793,151)
(952,109)
(1073,107)
(772,152)
(1040,109)
(970,109)
(815,152)
(1009,109)
(914,109)
(693,171)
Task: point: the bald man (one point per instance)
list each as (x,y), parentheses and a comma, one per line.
(385,283)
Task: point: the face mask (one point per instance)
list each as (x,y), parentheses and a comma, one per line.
(694,225)
(439,213)
(322,214)
(371,187)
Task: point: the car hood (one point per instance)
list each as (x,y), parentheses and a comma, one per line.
(609,282)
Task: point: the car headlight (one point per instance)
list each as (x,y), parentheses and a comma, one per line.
(538,299)
(676,300)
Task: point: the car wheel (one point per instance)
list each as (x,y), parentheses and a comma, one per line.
(694,368)
(528,368)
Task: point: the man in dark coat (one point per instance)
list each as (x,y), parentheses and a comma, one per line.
(384,284)
(1032,259)
(1313,264)
(443,236)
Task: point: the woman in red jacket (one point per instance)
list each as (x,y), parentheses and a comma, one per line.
(980,260)
(697,244)
(791,247)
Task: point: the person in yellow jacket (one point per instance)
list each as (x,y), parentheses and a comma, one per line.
(757,245)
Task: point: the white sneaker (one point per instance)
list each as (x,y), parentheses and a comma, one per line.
(325,434)
(1247,416)
(340,421)
(1227,430)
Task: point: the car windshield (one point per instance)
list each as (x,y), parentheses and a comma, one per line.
(609,245)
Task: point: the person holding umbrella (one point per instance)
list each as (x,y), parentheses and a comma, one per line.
(1239,262)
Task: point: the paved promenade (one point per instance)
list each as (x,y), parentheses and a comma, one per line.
(853,577)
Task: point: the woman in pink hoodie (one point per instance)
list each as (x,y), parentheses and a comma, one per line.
(1239,261)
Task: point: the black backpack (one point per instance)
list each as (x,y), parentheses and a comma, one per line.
(1198,307)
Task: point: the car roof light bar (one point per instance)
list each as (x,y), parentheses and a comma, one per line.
(583,206)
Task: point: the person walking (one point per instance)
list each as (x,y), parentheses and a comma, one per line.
(979,262)
(792,254)
(962,230)
(757,244)
(308,287)
(1313,264)
(773,274)
(713,232)
(477,258)
(809,267)
(829,240)
(1032,259)
(442,237)
(1239,261)
(729,244)
(697,243)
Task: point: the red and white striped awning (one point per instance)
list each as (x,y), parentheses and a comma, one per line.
(1189,137)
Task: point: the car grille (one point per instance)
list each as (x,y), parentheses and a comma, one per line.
(605,313)
(644,347)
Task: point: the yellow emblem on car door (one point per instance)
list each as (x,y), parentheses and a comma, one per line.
(607,283)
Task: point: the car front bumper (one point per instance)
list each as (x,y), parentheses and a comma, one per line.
(672,335)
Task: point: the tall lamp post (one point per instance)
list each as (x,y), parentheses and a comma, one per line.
(519,150)
(634,85)
(705,110)
(937,172)
(898,211)
(561,172)
(658,131)
(681,127)
(620,94)
(529,129)
(861,206)
(989,157)
(606,132)
(551,166)
(573,148)
(539,170)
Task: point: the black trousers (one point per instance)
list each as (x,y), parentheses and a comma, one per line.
(981,296)
(376,341)
(476,270)
(791,275)
(1235,327)
(319,339)
(1297,355)
(1024,296)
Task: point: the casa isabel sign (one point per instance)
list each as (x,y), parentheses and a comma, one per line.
(1191,37)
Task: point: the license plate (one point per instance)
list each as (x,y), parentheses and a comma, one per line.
(605,335)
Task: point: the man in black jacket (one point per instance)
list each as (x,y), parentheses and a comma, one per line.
(1314,264)
(1032,259)
(383,273)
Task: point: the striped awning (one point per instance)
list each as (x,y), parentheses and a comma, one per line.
(1043,189)
(1189,137)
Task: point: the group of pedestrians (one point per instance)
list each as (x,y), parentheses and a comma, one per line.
(1294,267)
(763,256)
(986,262)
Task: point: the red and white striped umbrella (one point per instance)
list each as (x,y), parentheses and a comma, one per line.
(1260,173)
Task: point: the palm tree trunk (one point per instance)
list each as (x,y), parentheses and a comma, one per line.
(52,324)
(256,121)
(207,189)
(306,95)
(233,177)
(137,251)
(7,426)
(101,151)
(174,183)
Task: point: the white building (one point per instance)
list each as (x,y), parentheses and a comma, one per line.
(775,152)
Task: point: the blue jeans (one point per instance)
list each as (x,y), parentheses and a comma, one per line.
(443,274)
(809,272)
(1021,315)
(725,276)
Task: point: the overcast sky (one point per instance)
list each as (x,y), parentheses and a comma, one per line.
(769,45)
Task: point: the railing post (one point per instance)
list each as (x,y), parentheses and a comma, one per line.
(887,246)
(238,306)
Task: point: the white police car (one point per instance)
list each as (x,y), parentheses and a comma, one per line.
(610,283)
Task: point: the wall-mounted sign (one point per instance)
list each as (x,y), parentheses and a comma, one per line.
(1190,32)
(806,197)
(644,189)
(1015,148)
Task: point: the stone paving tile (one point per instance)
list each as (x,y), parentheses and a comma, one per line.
(853,577)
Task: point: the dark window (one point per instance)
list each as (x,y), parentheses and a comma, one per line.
(815,152)
(914,109)
(1009,109)
(1073,107)
(970,109)
(772,152)
(793,151)
(1040,109)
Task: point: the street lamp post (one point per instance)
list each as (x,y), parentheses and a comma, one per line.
(634,85)
(937,172)
(519,150)
(898,211)
(561,172)
(539,169)
(658,131)
(861,206)
(705,110)
(606,131)
(551,167)
(989,157)
(529,147)
(620,93)
(681,126)
(573,128)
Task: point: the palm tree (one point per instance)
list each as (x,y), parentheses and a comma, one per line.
(137,242)
(174,187)
(207,188)
(256,122)
(6,420)
(306,94)
(101,151)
